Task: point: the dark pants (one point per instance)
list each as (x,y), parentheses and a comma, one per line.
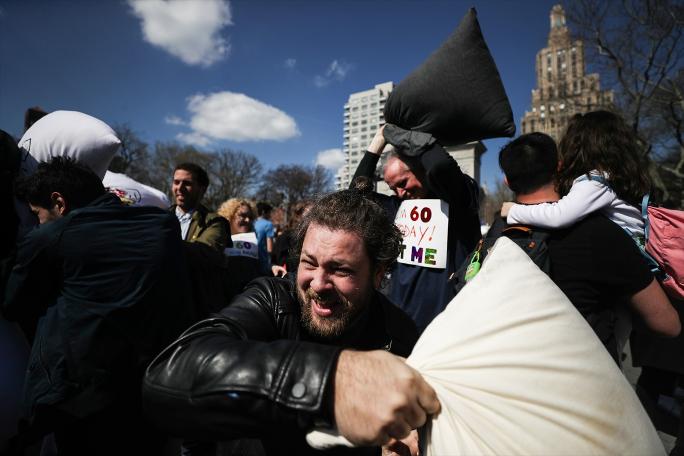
(109,432)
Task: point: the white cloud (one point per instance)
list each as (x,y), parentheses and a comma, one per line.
(193,138)
(337,71)
(174,120)
(290,63)
(331,158)
(237,117)
(189,30)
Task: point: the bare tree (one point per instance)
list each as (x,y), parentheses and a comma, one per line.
(132,158)
(165,158)
(290,184)
(232,174)
(638,47)
(490,203)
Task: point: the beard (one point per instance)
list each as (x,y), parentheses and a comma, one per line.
(334,326)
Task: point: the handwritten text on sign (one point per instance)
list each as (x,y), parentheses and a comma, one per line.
(424,223)
(244,244)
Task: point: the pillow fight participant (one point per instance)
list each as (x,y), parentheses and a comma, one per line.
(265,232)
(594,262)
(429,173)
(106,288)
(190,182)
(239,213)
(601,168)
(283,260)
(286,357)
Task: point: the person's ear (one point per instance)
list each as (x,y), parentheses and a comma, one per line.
(506,181)
(59,203)
(377,277)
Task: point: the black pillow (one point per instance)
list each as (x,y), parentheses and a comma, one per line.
(456,94)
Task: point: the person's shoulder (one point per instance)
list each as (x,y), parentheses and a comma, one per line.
(277,293)
(596,221)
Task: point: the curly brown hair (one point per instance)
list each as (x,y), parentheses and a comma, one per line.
(349,210)
(603,141)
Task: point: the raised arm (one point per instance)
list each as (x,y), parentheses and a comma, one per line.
(446,181)
(370,159)
(583,198)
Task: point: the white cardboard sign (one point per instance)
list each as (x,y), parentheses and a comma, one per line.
(244,244)
(424,223)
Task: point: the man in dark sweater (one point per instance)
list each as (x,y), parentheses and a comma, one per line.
(103,287)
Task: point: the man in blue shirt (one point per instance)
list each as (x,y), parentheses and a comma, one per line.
(265,233)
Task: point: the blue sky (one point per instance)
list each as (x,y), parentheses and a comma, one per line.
(281,71)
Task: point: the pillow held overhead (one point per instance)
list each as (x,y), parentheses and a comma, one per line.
(456,94)
(72,134)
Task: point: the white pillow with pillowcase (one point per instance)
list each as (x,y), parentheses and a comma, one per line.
(518,371)
(73,134)
(134,193)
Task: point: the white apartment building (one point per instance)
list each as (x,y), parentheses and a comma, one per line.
(363,115)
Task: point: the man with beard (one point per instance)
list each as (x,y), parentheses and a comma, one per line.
(288,356)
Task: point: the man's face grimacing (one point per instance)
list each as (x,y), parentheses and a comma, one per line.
(186,190)
(402,180)
(335,280)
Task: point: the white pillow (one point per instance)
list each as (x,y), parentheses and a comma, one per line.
(519,371)
(133,192)
(71,134)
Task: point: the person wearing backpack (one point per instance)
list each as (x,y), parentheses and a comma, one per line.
(602,168)
(593,261)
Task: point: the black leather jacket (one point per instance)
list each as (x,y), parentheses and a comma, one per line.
(253,371)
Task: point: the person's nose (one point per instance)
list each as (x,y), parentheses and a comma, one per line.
(320,281)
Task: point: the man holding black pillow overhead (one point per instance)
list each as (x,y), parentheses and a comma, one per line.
(454,97)
(425,171)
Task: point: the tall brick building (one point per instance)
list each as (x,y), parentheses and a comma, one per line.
(563,88)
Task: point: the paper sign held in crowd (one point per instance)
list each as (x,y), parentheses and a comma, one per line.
(424,224)
(244,244)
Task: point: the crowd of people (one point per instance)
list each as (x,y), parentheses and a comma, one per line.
(183,330)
